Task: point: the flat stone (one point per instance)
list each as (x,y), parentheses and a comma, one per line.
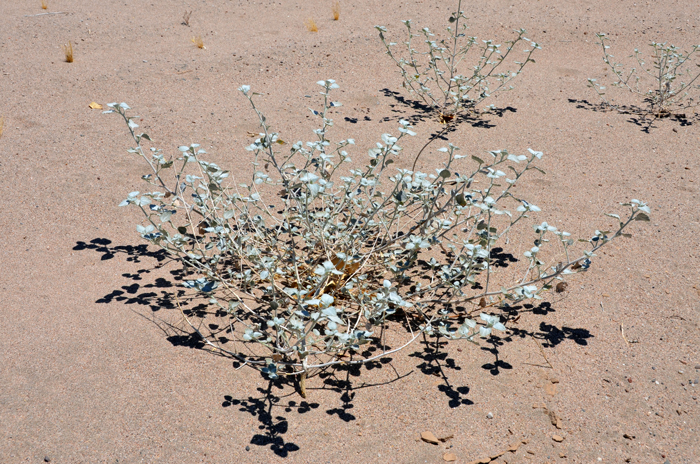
(558,438)
(429,437)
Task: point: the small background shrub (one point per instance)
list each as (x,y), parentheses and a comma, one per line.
(667,81)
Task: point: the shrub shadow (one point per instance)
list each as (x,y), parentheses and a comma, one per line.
(272,426)
(435,363)
(268,407)
(639,116)
(422,112)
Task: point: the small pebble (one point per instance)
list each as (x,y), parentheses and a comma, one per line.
(489,415)
(47,459)
(247,448)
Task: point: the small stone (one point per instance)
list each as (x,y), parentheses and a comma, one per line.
(550,389)
(247,448)
(555,420)
(429,437)
(47,459)
(558,438)
(697,367)
(481,461)
(489,415)
(449,457)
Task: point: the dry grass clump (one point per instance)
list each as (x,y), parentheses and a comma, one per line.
(336,11)
(198,41)
(68,50)
(44,4)
(311,25)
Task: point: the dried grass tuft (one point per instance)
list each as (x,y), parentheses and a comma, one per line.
(311,25)
(198,41)
(336,11)
(68,50)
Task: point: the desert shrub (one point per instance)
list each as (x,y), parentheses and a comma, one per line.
(318,260)
(434,74)
(664,81)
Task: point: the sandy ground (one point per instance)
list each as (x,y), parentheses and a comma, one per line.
(90,375)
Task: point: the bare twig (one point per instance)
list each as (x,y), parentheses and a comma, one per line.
(186,18)
(622,331)
(542,352)
(50,13)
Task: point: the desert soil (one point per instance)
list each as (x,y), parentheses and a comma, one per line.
(94,366)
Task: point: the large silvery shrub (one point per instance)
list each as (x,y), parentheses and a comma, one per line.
(315,259)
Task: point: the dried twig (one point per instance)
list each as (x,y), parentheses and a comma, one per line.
(622,331)
(542,352)
(50,13)
(186,18)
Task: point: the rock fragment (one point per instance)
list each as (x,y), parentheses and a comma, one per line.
(429,437)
